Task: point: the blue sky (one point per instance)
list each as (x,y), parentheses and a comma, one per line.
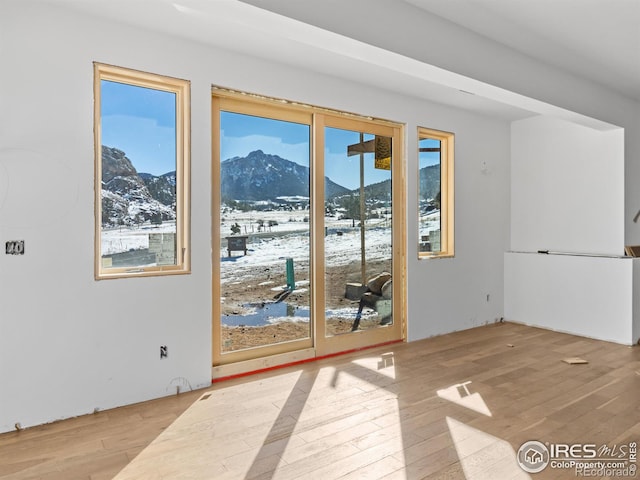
(141,122)
(428,158)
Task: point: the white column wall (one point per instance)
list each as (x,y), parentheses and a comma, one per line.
(567,187)
(567,197)
(588,296)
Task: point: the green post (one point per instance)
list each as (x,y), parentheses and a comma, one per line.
(291,282)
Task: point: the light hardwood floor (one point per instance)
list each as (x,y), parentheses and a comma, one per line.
(404,411)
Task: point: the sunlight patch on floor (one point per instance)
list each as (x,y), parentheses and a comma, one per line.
(484,456)
(285,427)
(382,364)
(194,441)
(460,395)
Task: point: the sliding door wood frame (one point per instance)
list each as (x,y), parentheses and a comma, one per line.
(327,345)
(239,362)
(260,109)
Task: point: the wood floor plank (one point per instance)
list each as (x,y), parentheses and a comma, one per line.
(457,406)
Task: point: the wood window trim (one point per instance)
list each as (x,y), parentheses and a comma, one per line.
(181,88)
(447,140)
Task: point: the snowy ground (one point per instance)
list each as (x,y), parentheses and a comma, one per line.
(289,238)
(255,277)
(123,239)
(339,250)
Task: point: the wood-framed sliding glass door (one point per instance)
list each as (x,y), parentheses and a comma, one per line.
(360,253)
(305,215)
(261,231)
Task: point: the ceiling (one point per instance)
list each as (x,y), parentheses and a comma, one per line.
(567,34)
(596,39)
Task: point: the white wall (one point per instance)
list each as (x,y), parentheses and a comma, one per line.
(589,296)
(70,344)
(567,195)
(567,187)
(449,294)
(635,333)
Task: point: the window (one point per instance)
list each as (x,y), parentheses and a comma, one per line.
(435,193)
(141,173)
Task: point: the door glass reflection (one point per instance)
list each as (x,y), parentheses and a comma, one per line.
(358,231)
(264,231)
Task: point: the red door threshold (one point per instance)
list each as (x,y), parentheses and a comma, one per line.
(307,360)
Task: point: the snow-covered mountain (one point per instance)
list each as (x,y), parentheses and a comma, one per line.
(162,188)
(132,198)
(260,176)
(430,181)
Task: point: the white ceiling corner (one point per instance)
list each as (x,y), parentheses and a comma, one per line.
(595,39)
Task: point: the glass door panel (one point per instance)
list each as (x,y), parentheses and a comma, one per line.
(358,231)
(264,233)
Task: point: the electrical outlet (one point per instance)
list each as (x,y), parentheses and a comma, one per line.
(164,352)
(14,247)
